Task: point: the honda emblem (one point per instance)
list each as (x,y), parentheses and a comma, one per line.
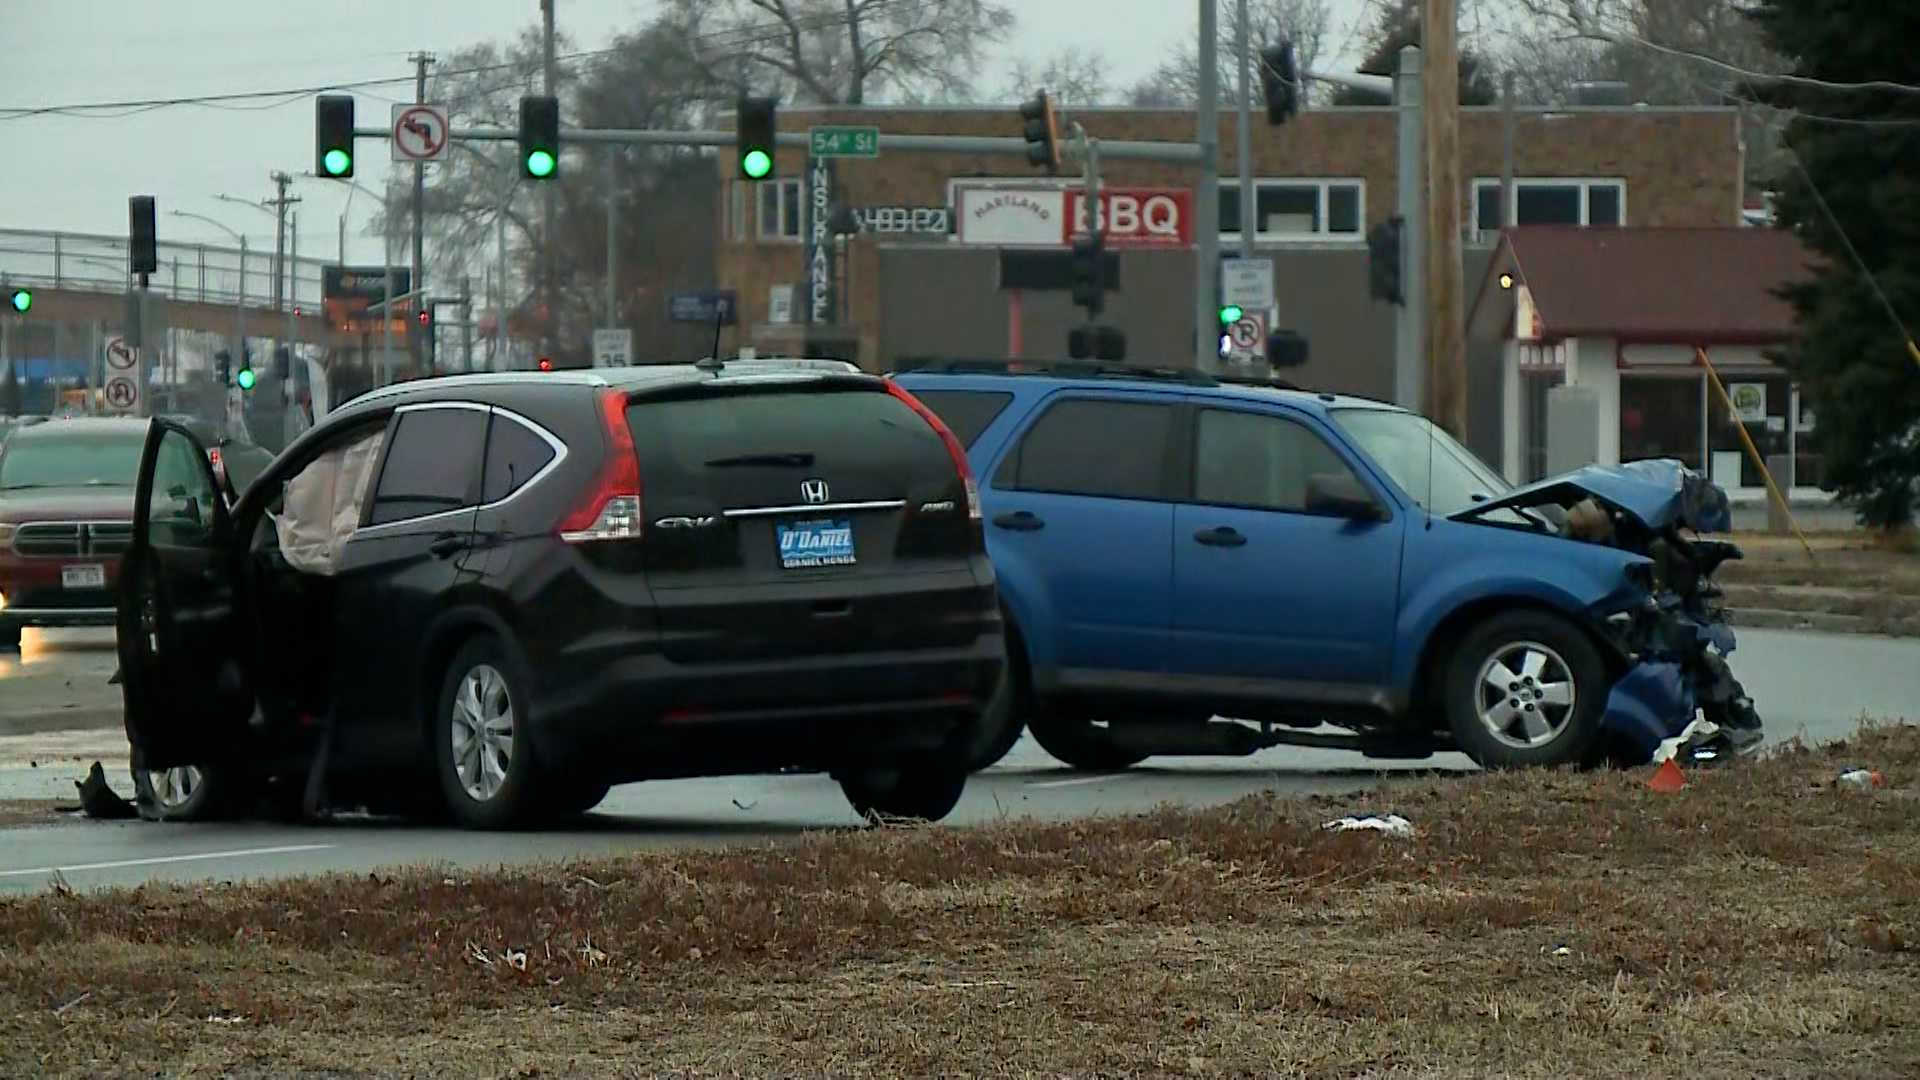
(814,491)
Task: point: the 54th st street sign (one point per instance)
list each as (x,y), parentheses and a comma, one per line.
(843,141)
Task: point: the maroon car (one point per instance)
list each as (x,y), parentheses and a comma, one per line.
(66,516)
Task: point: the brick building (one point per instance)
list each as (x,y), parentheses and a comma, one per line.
(905,286)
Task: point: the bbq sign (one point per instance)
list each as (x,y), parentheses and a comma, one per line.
(1006,215)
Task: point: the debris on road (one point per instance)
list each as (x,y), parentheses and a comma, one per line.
(1863,778)
(98,800)
(1391,824)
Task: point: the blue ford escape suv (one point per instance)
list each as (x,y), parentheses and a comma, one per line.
(1171,550)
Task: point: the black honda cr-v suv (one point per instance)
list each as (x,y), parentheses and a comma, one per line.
(501,594)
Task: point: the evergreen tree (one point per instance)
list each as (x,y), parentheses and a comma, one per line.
(1860,151)
(1399,26)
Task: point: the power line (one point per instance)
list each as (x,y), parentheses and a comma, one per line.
(1808,81)
(749,35)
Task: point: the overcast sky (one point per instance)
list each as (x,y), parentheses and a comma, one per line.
(75,172)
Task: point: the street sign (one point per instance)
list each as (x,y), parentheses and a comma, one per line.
(419,133)
(122,387)
(1247,283)
(704,306)
(613,348)
(838,140)
(1247,339)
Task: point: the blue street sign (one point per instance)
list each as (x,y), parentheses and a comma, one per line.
(704,306)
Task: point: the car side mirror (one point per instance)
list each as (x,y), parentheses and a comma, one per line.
(1341,495)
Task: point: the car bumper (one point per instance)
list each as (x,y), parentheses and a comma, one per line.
(641,716)
(32,594)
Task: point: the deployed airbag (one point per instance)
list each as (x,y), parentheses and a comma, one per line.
(321,507)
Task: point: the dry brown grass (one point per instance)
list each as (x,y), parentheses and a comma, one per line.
(32,812)
(1758,923)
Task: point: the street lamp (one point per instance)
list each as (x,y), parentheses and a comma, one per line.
(240,294)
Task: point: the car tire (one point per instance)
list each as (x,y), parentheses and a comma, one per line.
(1000,723)
(493,783)
(905,793)
(574,799)
(185,793)
(10,637)
(1080,743)
(1548,711)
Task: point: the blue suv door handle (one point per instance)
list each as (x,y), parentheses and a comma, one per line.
(1020,521)
(1222,536)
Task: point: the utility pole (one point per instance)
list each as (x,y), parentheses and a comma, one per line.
(1446,349)
(466,322)
(420,61)
(280,202)
(1506,152)
(613,217)
(1410,328)
(1245,137)
(546,205)
(1206,271)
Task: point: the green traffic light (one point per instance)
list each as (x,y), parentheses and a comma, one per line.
(540,163)
(756,164)
(22,300)
(1230,313)
(337,162)
(245,379)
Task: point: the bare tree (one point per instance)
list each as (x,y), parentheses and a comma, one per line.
(1668,52)
(1072,75)
(1176,82)
(840,51)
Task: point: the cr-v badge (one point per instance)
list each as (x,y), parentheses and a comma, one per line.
(686,522)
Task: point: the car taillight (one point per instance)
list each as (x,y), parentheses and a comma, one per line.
(610,508)
(954,449)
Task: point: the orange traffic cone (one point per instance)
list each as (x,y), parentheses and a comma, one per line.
(1667,777)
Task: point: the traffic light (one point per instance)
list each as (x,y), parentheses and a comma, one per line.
(546,364)
(1384,255)
(142,241)
(539,137)
(245,378)
(1041,128)
(282,362)
(754,121)
(1230,314)
(1280,82)
(425,317)
(333,135)
(20,300)
(223,366)
(1090,273)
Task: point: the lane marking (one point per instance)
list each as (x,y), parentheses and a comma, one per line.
(1078,780)
(160,860)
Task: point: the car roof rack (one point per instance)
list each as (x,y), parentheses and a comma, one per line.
(1059,369)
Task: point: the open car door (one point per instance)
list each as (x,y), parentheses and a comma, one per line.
(182,662)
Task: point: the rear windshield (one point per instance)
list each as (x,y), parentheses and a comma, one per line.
(37,457)
(966,412)
(685,443)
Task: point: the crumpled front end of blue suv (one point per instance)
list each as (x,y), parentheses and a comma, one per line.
(1676,695)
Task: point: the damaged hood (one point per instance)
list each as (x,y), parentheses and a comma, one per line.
(1660,494)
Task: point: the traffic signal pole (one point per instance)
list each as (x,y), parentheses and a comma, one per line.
(1206,276)
(1410,329)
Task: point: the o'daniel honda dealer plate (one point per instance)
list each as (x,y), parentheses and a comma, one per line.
(806,544)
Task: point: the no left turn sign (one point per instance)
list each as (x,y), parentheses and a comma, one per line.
(419,133)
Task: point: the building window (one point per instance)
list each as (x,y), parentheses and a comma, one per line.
(1297,208)
(1551,202)
(1660,417)
(779,209)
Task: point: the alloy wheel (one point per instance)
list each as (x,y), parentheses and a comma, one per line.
(482,732)
(174,788)
(1525,694)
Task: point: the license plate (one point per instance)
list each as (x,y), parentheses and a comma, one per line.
(90,576)
(806,544)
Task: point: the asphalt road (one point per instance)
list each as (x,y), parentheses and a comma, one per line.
(1812,686)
